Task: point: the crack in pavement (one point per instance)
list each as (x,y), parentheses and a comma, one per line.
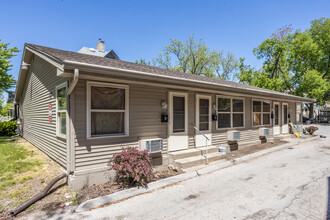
(299,195)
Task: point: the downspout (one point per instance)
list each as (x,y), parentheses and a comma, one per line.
(74,82)
(70,136)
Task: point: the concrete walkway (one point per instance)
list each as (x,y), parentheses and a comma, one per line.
(289,184)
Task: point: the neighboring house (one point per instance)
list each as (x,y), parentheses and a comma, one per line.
(324,113)
(80,109)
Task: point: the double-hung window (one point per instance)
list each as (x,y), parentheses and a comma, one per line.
(261,112)
(230,112)
(107,110)
(61,110)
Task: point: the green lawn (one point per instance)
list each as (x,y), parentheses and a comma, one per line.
(15,159)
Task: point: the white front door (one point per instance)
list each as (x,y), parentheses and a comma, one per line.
(276,119)
(178,121)
(285,119)
(203,120)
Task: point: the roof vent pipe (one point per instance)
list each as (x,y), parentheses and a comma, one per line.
(100,46)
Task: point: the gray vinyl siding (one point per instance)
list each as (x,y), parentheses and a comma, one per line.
(36,128)
(144,122)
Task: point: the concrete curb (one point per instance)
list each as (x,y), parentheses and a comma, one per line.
(125,194)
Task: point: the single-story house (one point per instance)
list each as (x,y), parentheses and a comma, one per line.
(80,109)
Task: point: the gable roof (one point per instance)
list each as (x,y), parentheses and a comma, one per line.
(63,57)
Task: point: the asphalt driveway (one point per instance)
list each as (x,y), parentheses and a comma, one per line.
(289,184)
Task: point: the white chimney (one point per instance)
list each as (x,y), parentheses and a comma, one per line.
(100,46)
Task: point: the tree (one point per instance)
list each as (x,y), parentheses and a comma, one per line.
(274,51)
(193,56)
(320,33)
(227,67)
(143,62)
(6,53)
(297,62)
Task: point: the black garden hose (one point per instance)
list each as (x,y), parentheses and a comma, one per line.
(37,197)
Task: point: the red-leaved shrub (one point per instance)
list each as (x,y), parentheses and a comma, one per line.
(132,166)
(311,129)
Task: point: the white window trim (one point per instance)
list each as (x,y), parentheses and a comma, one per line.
(58,133)
(170,110)
(262,112)
(300,120)
(89,84)
(198,97)
(231,111)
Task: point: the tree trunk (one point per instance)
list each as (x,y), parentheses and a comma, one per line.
(311,110)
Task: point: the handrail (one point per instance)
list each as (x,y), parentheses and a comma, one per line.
(200,132)
(206,139)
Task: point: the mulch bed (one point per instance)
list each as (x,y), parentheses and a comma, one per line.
(252,149)
(95,191)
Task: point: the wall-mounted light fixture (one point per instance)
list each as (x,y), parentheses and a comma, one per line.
(214,116)
(164,106)
(272,115)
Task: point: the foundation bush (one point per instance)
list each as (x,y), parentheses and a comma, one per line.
(133,167)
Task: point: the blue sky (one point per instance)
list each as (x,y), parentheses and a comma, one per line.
(141,29)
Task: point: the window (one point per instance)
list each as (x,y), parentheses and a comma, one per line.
(204,114)
(107,110)
(178,114)
(261,113)
(61,110)
(276,114)
(298,112)
(230,112)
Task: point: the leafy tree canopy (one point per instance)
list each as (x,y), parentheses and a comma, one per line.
(193,56)
(297,63)
(6,53)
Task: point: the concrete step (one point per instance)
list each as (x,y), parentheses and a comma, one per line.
(210,149)
(185,154)
(189,162)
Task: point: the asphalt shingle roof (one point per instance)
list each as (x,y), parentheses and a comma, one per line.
(63,55)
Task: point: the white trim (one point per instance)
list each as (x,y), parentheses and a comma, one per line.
(89,84)
(300,120)
(58,133)
(209,97)
(262,112)
(231,111)
(179,78)
(287,118)
(170,110)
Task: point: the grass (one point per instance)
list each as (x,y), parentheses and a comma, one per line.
(15,159)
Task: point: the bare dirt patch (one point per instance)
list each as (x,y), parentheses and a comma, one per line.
(30,182)
(112,187)
(252,149)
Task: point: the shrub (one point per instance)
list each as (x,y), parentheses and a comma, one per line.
(8,128)
(311,129)
(133,167)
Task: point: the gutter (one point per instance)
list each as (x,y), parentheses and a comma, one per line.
(69,62)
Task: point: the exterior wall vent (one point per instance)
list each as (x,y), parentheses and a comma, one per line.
(152,145)
(233,135)
(263,132)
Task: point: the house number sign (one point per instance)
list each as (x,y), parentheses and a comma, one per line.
(50,113)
